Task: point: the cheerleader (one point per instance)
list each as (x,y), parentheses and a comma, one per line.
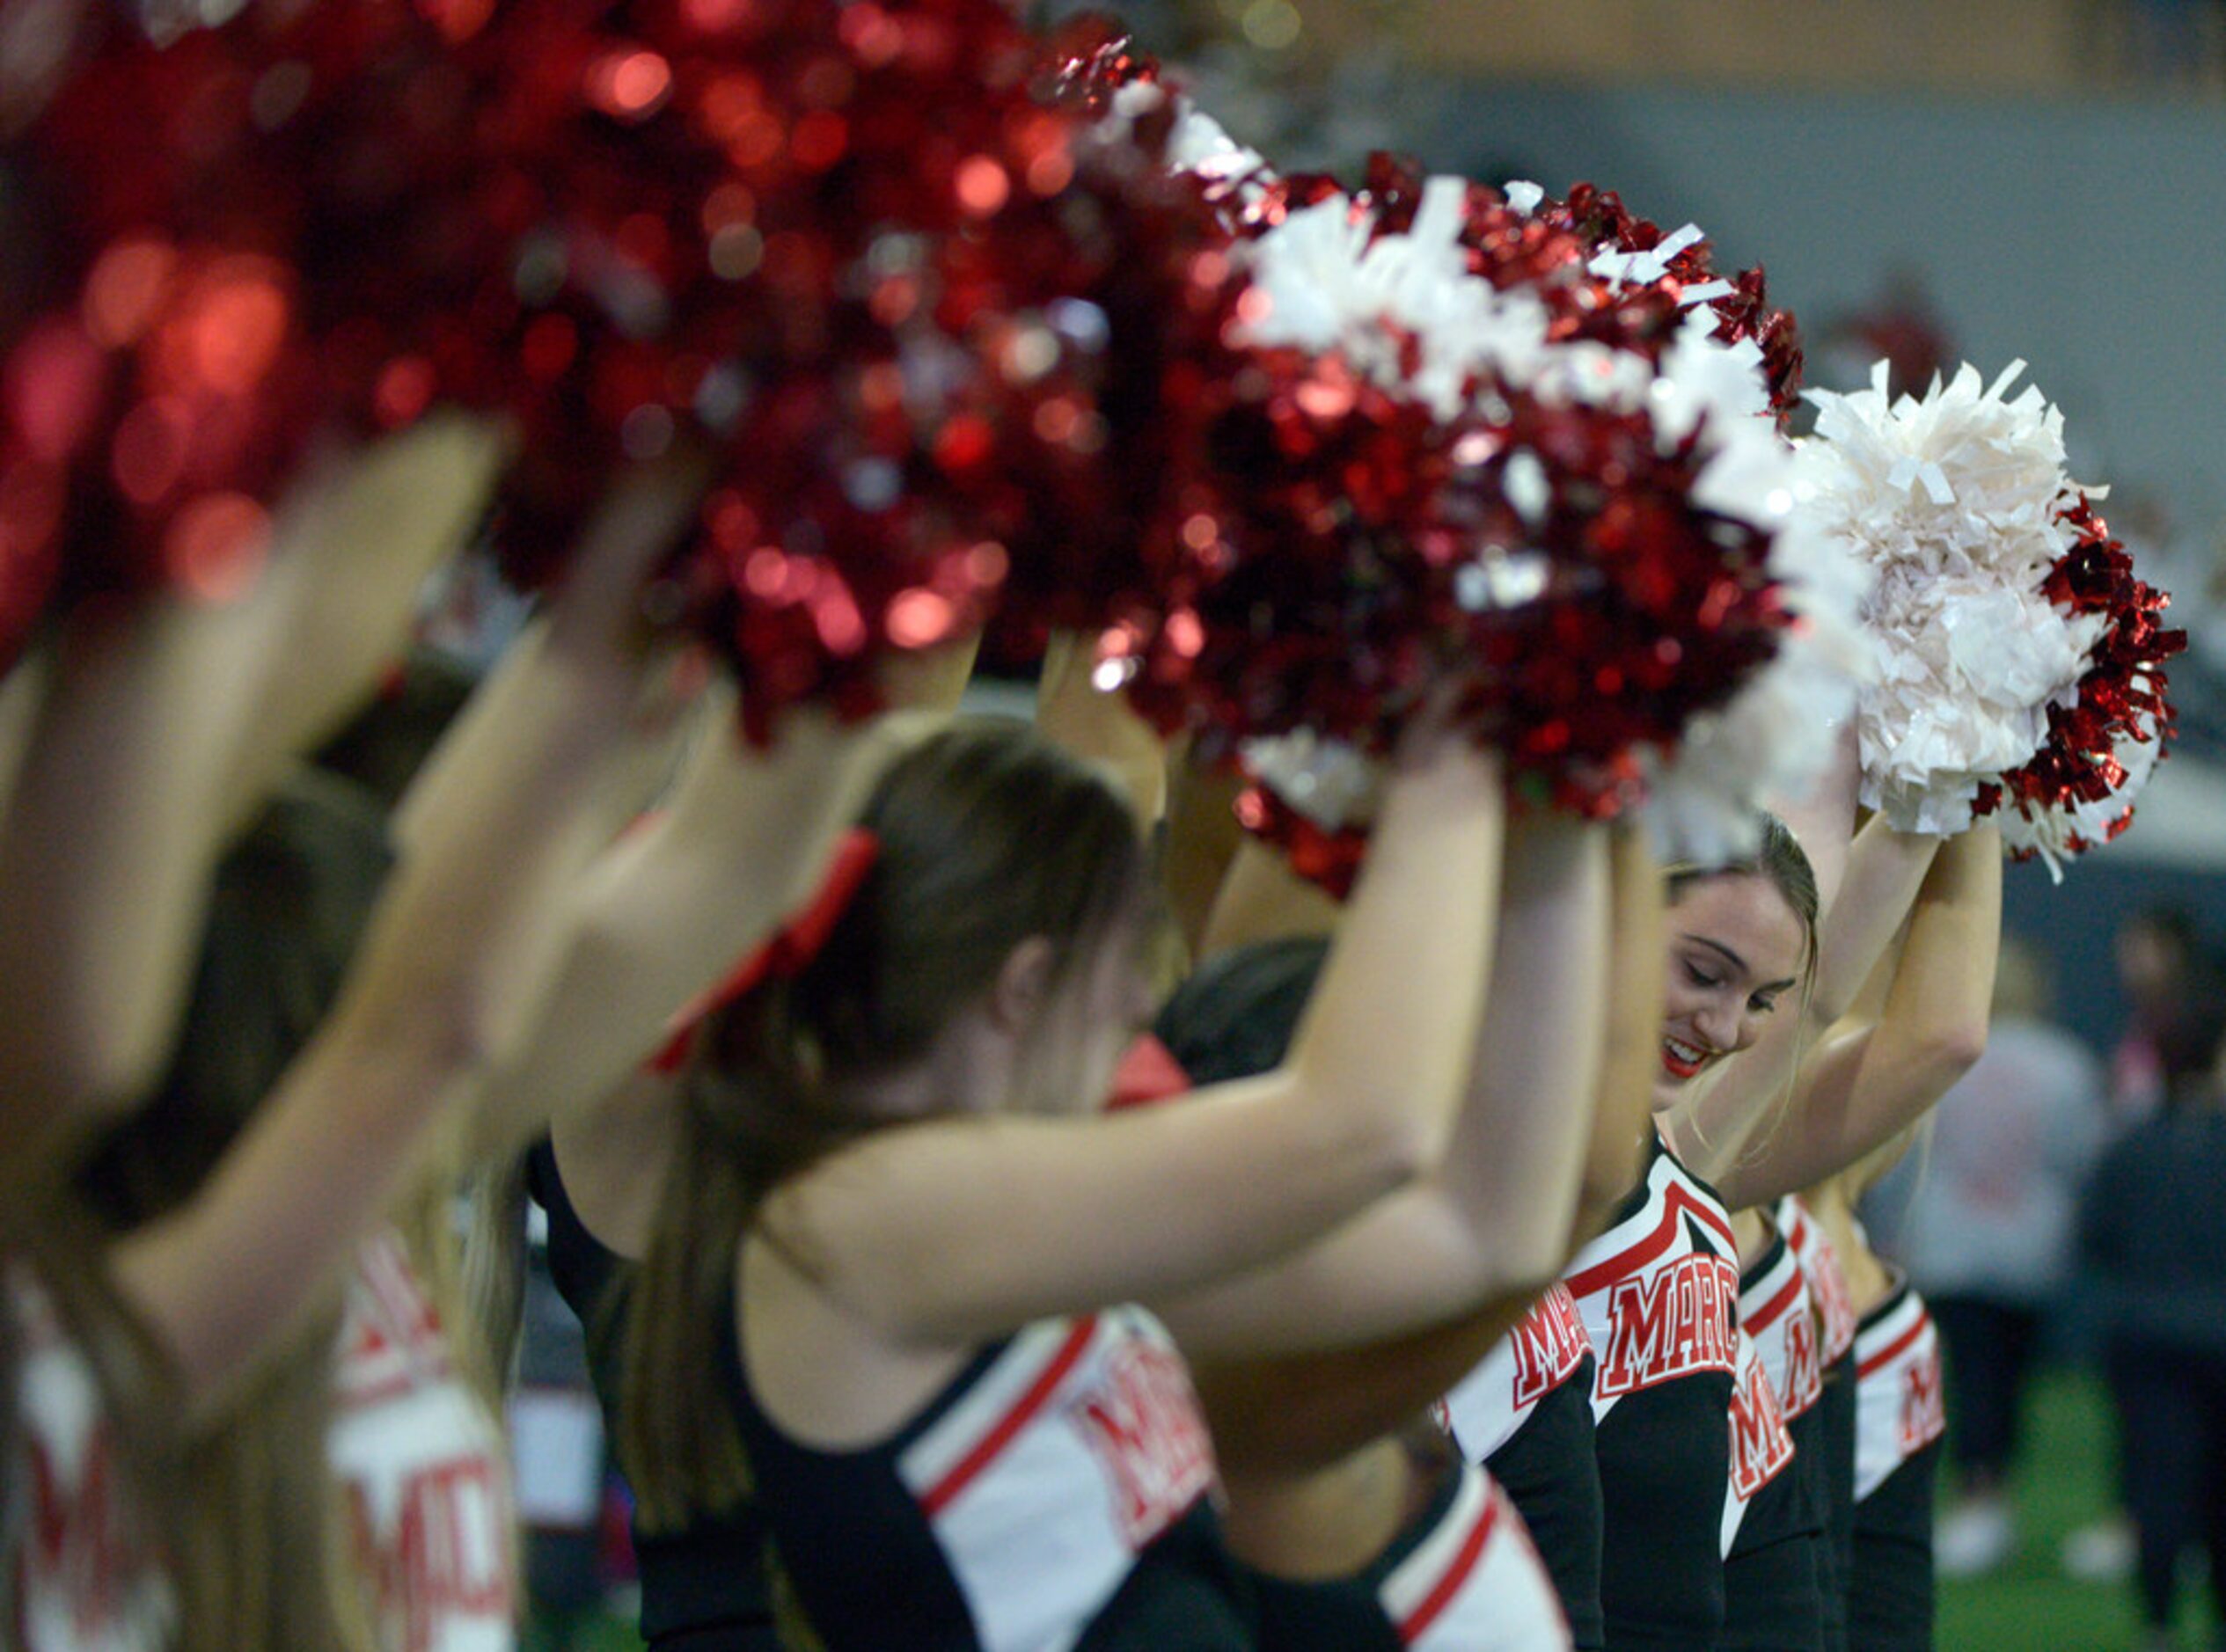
(1365,1530)
(925,1275)
(142,1340)
(1828,1457)
(1861,1078)
(1657,1289)
(1899,1419)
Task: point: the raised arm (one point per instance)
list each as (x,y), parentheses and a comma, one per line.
(1262,900)
(1623,1115)
(164,727)
(670,907)
(445,979)
(1867,1082)
(945,1232)
(1491,1228)
(1074,714)
(1884,870)
(1823,822)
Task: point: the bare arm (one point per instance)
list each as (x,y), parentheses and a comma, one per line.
(1262,900)
(1823,822)
(1299,1413)
(1078,716)
(668,909)
(443,981)
(1884,870)
(1622,1115)
(1490,1227)
(1865,1084)
(161,730)
(947,1233)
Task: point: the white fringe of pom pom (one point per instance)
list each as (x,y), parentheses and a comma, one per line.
(1774,738)
(1332,784)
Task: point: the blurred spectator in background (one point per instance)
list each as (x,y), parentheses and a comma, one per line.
(1987,1239)
(2152,1247)
(2176,1000)
(1901,326)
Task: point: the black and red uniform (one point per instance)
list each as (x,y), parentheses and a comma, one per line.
(704,1588)
(1901,1417)
(1526,1414)
(1055,1494)
(1773,1566)
(1462,1577)
(1659,1292)
(1831,1468)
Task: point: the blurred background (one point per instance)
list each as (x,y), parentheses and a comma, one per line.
(1986,180)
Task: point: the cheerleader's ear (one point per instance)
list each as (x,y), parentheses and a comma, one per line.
(1022,987)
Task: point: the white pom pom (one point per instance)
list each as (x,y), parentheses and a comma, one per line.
(1332,284)
(1953,500)
(1523,195)
(1776,733)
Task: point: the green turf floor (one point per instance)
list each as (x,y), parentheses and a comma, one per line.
(2063,1483)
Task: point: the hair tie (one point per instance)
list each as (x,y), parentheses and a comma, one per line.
(785,955)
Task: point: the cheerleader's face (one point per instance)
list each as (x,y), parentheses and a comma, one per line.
(1735,951)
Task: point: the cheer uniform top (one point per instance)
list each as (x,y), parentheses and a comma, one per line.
(1659,1292)
(1526,1414)
(1900,1420)
(1772,1585)
(84,1573)
(703,1587)
(1463,1577)
(1831,1468)
(421,1463)
(1054,1495)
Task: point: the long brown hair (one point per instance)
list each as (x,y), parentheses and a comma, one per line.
(988,836)
(259,1553)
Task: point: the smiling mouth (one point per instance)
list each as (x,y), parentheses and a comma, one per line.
(1681,1060)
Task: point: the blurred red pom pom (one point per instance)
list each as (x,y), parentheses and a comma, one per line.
(936,335)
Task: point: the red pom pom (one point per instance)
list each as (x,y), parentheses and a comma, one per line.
(2121,697)
(934,333)
(1351,546)
(240,236)
(1597,219)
